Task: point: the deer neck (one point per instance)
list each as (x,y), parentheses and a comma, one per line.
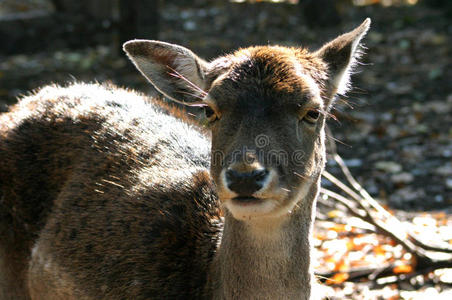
(266,259)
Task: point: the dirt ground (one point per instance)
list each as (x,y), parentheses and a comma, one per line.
(394,129)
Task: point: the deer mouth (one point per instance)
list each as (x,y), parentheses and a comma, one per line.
(247,200)
(246,207)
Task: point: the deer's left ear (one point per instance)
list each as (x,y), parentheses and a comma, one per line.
(174,70)
(340,55)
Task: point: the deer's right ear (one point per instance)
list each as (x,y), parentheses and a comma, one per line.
(174,70)
(341,55)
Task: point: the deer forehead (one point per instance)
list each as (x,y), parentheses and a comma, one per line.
(269,77)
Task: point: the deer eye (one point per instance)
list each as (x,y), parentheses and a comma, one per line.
(311,116)
(210,114)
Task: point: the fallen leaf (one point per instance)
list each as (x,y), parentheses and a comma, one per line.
(337,278)
(401,269)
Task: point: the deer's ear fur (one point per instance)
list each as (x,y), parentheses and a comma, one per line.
(174,70)
(341,55)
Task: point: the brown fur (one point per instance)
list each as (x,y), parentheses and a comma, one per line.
(106,194)
(58,145)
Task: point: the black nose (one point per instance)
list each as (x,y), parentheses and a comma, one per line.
(245,183)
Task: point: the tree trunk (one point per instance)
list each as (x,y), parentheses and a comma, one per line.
(138,19)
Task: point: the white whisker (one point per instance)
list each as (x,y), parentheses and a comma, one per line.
(191,84)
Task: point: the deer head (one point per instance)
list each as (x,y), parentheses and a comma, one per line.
(266,107)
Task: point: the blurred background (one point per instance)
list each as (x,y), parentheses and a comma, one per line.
(394,129)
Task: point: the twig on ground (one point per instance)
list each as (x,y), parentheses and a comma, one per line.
(360,204)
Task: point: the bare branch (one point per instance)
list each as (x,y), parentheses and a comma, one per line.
(360,204)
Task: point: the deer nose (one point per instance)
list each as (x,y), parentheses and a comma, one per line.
(246,183)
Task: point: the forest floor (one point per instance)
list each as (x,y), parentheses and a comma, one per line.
(394,129)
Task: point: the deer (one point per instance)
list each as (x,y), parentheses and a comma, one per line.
(108,194)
